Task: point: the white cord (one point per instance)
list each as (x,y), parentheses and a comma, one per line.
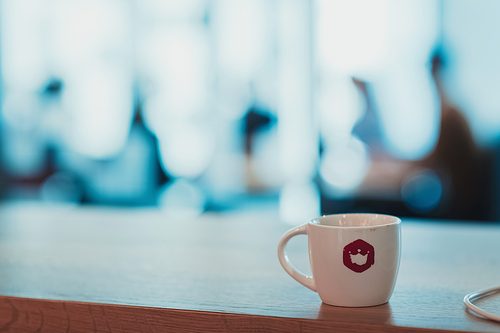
(479,294)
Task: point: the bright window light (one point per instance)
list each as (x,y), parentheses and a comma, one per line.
(86,31)
(352,34)
(296,129)
(23,57)
(100,105)
(181,199)
(471,32)
(339,106)
(344,167)
(185,149)
(243,35)
(299,202)
(175,62)
(173,10)
(410,111)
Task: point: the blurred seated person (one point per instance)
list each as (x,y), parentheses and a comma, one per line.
(464,170)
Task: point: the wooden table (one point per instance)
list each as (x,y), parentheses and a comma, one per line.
(97,269)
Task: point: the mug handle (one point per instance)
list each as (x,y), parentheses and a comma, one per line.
(307,281)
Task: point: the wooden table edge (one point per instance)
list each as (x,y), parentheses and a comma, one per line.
(44,315)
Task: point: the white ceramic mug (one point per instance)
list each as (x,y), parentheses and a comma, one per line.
(354,258)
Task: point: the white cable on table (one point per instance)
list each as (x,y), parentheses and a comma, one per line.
(480,294)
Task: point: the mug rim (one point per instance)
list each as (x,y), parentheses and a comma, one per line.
(396,221)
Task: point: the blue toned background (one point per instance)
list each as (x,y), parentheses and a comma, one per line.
(307,107)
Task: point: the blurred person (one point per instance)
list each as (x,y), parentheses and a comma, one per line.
(463,170)
(255,120)
(468,167)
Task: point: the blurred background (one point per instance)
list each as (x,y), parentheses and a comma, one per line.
(305,107)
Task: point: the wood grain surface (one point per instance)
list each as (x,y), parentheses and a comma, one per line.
(97,269)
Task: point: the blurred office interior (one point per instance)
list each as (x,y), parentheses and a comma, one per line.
(306,107)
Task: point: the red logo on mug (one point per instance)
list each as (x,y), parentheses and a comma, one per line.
(359,256)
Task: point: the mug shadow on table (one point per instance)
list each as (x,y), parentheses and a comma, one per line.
(378,315)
